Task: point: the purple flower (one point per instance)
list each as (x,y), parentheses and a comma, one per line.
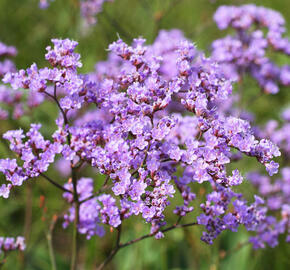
(10,244)
(235,179)
(149,119)
(246,51)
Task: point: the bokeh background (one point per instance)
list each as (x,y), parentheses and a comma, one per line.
(30,29)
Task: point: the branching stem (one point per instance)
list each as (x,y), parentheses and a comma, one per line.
(55,183)
(74,182)
(119,245)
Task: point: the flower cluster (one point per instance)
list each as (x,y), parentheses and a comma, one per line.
(216,217)
(278,133)
(6,65)
(14,101)
(7,97)
(258,30)
(277,196)
(10,99)
(44,3)
(90,210)
(17,102)
(90,8)
(63,75)
(156,113)
(274,191)
(35,154)
(9,243)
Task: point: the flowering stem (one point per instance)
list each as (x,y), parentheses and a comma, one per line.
(54,97)
(119,245)
(78,166)
(74,182)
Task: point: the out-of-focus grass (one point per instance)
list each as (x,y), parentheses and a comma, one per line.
(30,30)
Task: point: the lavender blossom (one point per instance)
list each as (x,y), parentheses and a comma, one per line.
(246,51)
(9,244)
(43,4)
(138,137)
(90,8)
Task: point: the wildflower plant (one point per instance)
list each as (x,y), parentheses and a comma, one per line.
(150,124)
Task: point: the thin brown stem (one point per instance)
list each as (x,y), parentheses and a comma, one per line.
(54,97)
(145,158)
(106,181)
(119,246)
(175,226)
(55,183)
(114,251)
(178,220)
(79,165)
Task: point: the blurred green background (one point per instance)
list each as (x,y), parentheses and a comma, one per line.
(30,29)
